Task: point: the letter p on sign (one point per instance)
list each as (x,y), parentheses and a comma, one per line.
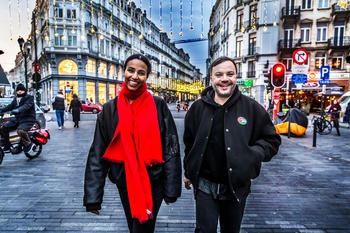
(325,72)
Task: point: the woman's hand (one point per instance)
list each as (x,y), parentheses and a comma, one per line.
(187,183)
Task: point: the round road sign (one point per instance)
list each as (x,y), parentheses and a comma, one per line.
(300,56)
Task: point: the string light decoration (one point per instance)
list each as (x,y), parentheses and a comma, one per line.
(254,16)
(82,22)
(28,18)
(19,15)
(46,34)
(160,16)
(202,27)
(171,18)
(111,23)
(63,16)
(131,32)
(73,17)
(181,33)
(141,36)
(275,14)
(265,16)
(10,21)
(343,4)
(92,30)
(191,26)
(242,26)
(55,19)
(150,17)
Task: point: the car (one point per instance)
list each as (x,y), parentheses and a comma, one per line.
(90,107)
(40,115)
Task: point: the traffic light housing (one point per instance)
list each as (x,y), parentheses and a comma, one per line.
(267,80)
(278,75)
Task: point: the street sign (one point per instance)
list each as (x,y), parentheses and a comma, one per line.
(324,81)
(299,78)
(300,56)
(300,69)
(324,72)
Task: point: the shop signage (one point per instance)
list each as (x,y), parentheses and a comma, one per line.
(245,82)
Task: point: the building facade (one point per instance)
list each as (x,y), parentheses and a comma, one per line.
(258,34)
(81,47)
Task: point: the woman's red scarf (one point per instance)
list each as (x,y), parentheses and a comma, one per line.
(137,144)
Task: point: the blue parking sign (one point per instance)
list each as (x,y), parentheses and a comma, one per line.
(324,72)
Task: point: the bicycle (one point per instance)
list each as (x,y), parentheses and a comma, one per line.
(323,126)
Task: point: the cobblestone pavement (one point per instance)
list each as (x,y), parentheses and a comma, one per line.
(303,189)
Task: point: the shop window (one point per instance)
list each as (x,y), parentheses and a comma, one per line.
(68,67)
(337,63)
(91,66)
(103,68)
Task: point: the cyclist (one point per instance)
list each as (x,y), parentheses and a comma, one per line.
(334,110)
(22,106)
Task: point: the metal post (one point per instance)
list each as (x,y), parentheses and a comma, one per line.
(25,69)
(314,134)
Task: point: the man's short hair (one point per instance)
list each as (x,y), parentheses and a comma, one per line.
(220,60)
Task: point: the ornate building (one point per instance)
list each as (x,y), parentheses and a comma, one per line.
(81,47)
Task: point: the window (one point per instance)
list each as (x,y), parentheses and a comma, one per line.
(252,44)
(91,65)
(103,68)
(305,33)
(71,14)
(321,32)
(239,47)
(240,23)
(323,3)
(306,4)
(252,16)
(107,48)
(337,63)
(288,62)
(102,46)
(72,38)
(58,39)
(320,60)
(89,42)
(58,12)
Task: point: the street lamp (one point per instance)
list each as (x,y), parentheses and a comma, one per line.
(25,50)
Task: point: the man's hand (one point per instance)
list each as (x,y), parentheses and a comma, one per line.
(187,183)
(15,112)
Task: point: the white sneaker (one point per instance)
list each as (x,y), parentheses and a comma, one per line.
(60,127)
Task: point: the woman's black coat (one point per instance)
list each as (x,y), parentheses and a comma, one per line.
(98,168)
(75,108)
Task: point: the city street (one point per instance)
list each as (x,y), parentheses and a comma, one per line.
(303,189)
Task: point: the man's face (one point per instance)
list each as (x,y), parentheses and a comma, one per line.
(20,92)
(223,78)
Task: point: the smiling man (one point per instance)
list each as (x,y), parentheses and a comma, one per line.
(227,136)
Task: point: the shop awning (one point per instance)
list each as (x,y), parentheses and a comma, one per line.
(330,93)
(3,79)
(311,86)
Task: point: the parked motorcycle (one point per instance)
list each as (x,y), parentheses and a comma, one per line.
(38,137)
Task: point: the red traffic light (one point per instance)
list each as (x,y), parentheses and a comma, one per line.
(278,75)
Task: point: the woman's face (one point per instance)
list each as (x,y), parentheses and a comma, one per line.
(135,74)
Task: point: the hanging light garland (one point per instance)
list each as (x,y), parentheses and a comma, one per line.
(73,17)
(28,18)
(92,30)
(171,18)
(101,30)
(180,18)
(63,16)
(343,4)
(111,23)
(150,17)
(202,34)
(55,18)
(254,17)
(141,36)
(19,15)
(265,16)
(82,22)
(191,26)
(46,34)
(160,15)
(10,21)
(242,26)
(275,14)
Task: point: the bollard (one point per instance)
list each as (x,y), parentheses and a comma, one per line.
(314,134)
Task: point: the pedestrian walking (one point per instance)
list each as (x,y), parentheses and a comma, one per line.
(227,136)
(136,145)
(334,111)
(347,115)
(59,104)
(75,108)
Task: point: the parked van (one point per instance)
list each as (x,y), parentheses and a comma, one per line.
(343,101)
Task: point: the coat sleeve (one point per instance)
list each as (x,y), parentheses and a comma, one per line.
(96,168)
(172,158)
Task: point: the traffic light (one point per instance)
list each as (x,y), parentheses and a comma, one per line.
(278,75)
(267,80)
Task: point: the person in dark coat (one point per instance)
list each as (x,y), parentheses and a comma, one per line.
(136,144)
(347,115)
(75,108)
(334,111)
(22,106)
(59,104)
(227,136)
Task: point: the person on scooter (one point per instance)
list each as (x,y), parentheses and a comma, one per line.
(22,106)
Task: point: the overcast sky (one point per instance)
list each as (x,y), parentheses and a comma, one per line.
(15,17)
